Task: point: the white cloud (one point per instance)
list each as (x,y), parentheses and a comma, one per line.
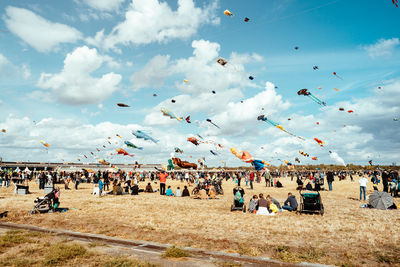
(148,21)
(154,73)
(104,5)
(382,48)
(3,62)
(41,34)
(74,85)
(26,72)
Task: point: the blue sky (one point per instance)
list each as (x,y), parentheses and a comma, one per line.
(124,51)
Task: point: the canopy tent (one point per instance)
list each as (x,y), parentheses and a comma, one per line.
(26,169)
(380,200)
(17,169)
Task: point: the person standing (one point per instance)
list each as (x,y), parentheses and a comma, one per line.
(251,180)
(385,181)
(363,186)
(330,178)
(163,178)
(239,178)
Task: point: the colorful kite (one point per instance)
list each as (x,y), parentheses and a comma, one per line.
(3,130)
(228,13)
(303,153)
(395,3)
(319,142)
(242,155)
(314,158)
(168,113)
(142,135)
(118,136)
(45,144)
(194,141)
(263,118)
(188,119)
(121,151)
(246,19)
(214,153)
(306,93)
(178,150)
(222,61)
(315,68)
(129,144)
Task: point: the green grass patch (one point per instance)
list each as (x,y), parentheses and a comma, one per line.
(62,252)
(175,252)
(284,253)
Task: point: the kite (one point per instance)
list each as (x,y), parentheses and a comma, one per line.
(334,73)
(395,3)
(297,160)
(98,150)
(314,158)
(251,78)
(178,150)
(188,119)
(221,61)
(103,162)
(288,162)
(118,136)
(303,153)
(306,93)
(319,141)
(173,100)
(263,118)
(3,130)
(317,123)
(142,135)
(350,111)
(296,48)
(228,13)
(337,90)
(184,164)
(92,153)
(379,87)
(212,152)
(104,146)
(154,94)
(315,68)
(45,144)
(185,81)
(212,123)
(123,105)
(129,144)
(167,112)
(341,109)
(120,151)
(370,162)
(395,119)
(200,136)
(259,164)
(246,19)
(194,141)
(319,87)
(213,92)
(242,155)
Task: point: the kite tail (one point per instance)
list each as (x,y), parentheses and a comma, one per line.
(131,156)
(315,99)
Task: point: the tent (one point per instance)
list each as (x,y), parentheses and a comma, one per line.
(17,169)
(380,200)
(27,169)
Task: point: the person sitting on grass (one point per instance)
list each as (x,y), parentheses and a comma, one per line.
(262,206)
(185,192)
(169,192)
(178,192)
(135,189)
(279,184)
(273,200)
(291,200)
(149,188)
(253,204)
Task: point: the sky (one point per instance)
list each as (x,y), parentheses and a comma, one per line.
(64,65)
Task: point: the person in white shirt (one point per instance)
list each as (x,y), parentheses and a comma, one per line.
(178,192)
(363,186)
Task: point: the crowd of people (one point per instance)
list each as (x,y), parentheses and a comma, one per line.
(205,182)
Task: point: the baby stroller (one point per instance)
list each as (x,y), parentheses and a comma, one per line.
(238,200)
(48,203)
(310,202)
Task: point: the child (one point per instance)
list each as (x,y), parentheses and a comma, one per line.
(169,192)
(178,192)
(253,204)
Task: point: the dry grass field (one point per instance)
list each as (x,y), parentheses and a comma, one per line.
(346,235)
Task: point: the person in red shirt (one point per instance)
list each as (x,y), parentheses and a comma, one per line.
(163,178)
(251,180)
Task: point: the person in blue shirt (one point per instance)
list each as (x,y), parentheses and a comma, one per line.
(101,184)
(169,192)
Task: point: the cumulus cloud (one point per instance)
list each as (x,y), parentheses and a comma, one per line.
(335,156)
(75,85)
(104,5)
(3,63)
(154,73)
(41,34)
(26,72)
(148,21)
(383,47)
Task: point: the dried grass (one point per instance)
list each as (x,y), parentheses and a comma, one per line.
(210,224)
